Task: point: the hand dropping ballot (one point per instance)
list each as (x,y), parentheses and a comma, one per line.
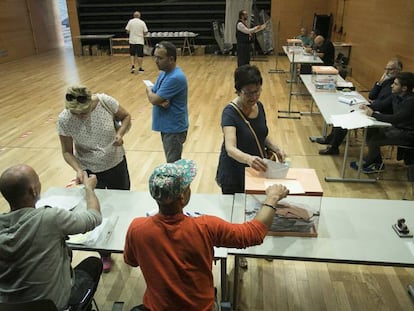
(276,174)
(275,170)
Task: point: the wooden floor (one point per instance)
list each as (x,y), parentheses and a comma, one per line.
(32,95)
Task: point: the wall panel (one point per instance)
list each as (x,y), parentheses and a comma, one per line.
(45,21)
(15,30)
(377,29)
(293,15)
(28,27)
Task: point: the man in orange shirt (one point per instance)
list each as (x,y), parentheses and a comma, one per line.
(175,252)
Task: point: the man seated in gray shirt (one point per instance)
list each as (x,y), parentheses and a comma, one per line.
(35,262)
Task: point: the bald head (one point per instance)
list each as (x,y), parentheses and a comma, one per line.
(20,186)
(319,40)
(137,14)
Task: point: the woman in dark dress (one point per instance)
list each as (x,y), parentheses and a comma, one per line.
(240,148)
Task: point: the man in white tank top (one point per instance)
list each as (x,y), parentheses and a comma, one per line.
(137,29)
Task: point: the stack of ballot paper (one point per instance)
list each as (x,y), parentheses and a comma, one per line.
(351,100)
(354,120)
(100,234)
(345,85)
(60,201)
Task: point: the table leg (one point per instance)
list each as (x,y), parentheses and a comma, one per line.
(293,73)
(310,113)
(324,130)
(289,111)
(224,303)
(236,282)
(361,153)
(186,45)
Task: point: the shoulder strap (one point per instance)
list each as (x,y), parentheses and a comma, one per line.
(250,127)
(104,104)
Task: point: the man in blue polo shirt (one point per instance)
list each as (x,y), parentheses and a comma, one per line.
(169,99)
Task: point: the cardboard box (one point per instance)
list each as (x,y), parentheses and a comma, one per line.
(86,50)
(94,50)
(329,70)
(294,42)
(324,77)
(199,50)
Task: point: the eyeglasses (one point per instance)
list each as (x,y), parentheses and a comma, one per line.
(82,99)
(252,93)
(388,68)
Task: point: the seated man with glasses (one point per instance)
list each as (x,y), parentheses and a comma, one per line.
(379,93)
(400,113)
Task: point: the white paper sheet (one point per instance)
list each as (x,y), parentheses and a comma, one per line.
(294,186)
(351,93)
(344,84)
(60,201)
(275,170)
(353,120)
(100,233)
(148,83)
(351,100)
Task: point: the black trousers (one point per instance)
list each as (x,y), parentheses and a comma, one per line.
(336,137)
(114,178)
(388,136)
(243,54)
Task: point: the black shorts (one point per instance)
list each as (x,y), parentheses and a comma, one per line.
(136,49)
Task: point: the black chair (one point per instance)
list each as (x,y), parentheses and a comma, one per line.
(43,304)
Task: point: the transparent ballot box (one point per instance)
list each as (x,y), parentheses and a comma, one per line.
(325,78)
(295,215)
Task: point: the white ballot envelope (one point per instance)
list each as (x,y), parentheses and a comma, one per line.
(275,170)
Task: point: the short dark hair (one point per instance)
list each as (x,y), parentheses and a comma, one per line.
(241,13)
(169,47)
(13,189)
(245,75)
(406,79)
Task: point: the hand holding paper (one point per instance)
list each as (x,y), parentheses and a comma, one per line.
(275,170)
(148,83)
